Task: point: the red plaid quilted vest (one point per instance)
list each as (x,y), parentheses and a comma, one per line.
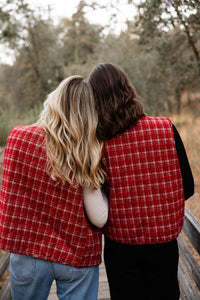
(38,217)
(144,184)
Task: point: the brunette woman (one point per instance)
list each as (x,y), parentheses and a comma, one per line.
(148,180)
(42,215)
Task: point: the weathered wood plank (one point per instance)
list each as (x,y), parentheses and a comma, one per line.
(4,262)
(186,283)
(189,268)
(104,293)
(5,293)
(191,228)
(182,296)
(189,260)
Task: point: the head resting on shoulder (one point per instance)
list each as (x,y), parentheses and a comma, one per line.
(117,102)
(70,120)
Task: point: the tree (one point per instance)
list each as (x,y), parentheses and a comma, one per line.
(172,27)
(156,18)
(8,29)
(38,65)
(142,68)
(79,38)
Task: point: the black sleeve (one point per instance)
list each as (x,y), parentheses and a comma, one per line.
(187,177)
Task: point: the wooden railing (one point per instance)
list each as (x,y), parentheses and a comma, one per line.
(5,285)
(189,263)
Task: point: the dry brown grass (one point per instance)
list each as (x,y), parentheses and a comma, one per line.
(1,161)
(188,125)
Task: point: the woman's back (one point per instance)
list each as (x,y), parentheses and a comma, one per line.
(43,218)
(144,184)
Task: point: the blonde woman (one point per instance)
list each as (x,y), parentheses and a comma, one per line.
(42,215)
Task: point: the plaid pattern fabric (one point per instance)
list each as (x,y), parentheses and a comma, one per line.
(38,217)
(144,184)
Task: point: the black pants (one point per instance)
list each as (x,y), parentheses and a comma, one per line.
(142,272)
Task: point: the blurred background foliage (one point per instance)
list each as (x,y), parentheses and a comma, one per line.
(159,50)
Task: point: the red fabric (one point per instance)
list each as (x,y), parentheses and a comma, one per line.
(144,184)
(38,217)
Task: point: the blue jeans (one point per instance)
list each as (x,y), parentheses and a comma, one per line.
(31,279)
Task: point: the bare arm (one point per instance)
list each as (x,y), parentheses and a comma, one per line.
(96,206)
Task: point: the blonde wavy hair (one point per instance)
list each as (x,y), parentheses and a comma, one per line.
(70,121)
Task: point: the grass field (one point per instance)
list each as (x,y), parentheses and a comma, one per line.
(188,125)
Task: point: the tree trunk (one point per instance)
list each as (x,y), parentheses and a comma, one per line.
(178,100)
(189,37)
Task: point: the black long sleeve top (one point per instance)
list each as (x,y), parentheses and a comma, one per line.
(187,177)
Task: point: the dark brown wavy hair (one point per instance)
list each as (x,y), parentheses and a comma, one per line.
(117,102)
